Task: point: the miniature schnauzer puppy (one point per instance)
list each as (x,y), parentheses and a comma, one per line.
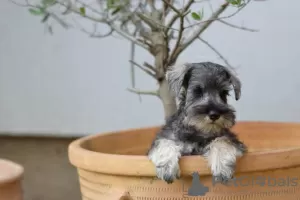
(201,125)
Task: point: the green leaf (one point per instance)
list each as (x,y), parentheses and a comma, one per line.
(36,11)
(196,16)
(82,10)
(116,10)
(112,4)
(235,2)
(239,3)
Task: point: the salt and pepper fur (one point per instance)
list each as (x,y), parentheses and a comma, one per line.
(201,125)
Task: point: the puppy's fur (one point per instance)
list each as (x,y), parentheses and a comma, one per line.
(201,125)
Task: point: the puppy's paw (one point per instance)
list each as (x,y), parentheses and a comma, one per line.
(242,149)
(224,174)
(221,178)
(168,172)
(165,156)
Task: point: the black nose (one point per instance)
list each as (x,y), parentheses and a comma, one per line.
(214,115)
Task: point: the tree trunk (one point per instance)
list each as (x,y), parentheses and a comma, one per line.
(167,99)
(159,49)
(160,52)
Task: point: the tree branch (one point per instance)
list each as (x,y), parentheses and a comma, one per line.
(200,30)
(181,15)
(152,4)
(238,27)
(105,21)
(225,17)
(142,68)
(181,29)
(176,16)
(19,4)
(166,8)
(75,10)
(143,92)
(128,37)
(132,54)
(168,27)
(60,21)
(216,51)
(171,6)
(149,67)
(94,34)
(153,24)
(98,20)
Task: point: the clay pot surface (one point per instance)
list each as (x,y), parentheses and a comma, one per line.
(11,175)
(114,166)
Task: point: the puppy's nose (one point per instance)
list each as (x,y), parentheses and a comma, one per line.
(213,115)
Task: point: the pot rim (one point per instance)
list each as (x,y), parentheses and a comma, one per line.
(16,170)
(139,165)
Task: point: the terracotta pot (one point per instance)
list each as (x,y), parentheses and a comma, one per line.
(11,175)
(113,166)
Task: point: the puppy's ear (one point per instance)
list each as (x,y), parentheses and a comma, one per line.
(177,79)
(236,83)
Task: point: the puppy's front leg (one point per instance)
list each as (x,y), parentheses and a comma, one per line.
(165,154)
(221,154)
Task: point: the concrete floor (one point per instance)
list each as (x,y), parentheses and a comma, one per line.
(48,173)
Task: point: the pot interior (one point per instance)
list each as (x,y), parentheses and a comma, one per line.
(258,136)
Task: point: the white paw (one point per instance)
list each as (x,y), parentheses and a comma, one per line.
(165,156)
(168,172)
(224,175)
(221,156)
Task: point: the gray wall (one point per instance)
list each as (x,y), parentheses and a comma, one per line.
(69,83)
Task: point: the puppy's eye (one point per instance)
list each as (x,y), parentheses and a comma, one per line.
(224,95)
(198,91)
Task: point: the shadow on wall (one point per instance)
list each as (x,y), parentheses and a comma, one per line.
(48,173)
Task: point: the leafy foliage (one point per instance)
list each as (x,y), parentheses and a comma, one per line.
(237,3)
(198,16)
(82,10)
(153,25)
(36,11)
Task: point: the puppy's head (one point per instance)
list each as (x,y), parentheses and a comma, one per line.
(201,91)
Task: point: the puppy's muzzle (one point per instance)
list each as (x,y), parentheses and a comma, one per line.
(214,115)
(213,111)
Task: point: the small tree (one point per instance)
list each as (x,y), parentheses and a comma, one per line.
(164,28)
